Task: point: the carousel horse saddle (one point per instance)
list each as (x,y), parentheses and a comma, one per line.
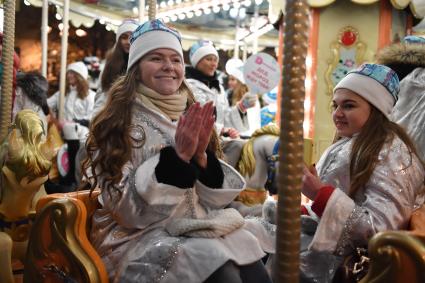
(59,250)
(399,256)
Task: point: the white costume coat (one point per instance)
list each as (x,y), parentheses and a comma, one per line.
(410,107)
(393,192)
(227,116)
(130,234)
(74,107)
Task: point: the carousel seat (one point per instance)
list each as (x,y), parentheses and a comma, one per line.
(399,256)
(59,249)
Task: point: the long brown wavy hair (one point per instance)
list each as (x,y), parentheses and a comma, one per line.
(109,144)
(364,154)
(82,86)
(115,66)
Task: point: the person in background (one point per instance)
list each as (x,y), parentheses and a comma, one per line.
(269,109)
(236,81)
(407,59)
(154,153)
(373,162)
(78,111)
(202,79)
(116,62)
(31,93)
(79,99)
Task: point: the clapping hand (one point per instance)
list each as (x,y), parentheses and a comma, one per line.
(193,133)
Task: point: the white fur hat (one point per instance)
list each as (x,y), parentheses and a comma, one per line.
(234,67)
(152,35)
(376,83)
(126,26)
(80,68)
(201,49)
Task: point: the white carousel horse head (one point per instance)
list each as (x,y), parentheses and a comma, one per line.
(258,158)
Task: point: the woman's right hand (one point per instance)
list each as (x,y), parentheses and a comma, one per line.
(230,132)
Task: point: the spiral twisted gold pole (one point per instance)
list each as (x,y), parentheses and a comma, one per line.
(291,140)
(7,60)
(152,10)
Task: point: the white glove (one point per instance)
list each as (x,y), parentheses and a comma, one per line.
(247,101)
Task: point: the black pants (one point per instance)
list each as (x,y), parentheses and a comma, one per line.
(231,273)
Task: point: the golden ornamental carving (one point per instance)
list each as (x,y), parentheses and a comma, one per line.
(347,52)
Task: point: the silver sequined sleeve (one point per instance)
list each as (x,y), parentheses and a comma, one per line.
(386,203)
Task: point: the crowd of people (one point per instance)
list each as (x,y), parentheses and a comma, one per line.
(160,139)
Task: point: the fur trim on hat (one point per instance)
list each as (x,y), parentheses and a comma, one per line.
(80,68)
(402,57)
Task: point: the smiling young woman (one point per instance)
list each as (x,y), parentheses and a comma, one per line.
(153,152)
(372,163)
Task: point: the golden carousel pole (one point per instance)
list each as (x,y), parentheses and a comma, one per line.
(152,9)
(291,140)
(7,60)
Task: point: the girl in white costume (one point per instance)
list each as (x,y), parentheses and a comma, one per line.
(79,99)
(202,79)
(116,62)
(369,180)
(152,151)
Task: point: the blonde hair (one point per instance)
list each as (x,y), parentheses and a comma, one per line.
(246,164)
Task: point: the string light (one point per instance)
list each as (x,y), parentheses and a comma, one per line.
(189,15)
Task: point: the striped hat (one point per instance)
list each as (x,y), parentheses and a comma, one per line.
(378,84)
(153,35)
(200,49)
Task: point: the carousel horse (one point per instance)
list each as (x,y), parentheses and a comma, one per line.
(26,161)
(258,165)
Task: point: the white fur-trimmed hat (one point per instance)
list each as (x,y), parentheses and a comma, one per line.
(234,67)
(201,49)
(80,68)
(376,83)
(152,35)
(126,26)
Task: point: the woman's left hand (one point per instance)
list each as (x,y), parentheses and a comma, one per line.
(187,132)
(311,182)
(207,124)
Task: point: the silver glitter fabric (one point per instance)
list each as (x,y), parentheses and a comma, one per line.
(129,230)
(393,192)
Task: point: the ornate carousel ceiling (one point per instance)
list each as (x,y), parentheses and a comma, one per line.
(416,6)
(214,20)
